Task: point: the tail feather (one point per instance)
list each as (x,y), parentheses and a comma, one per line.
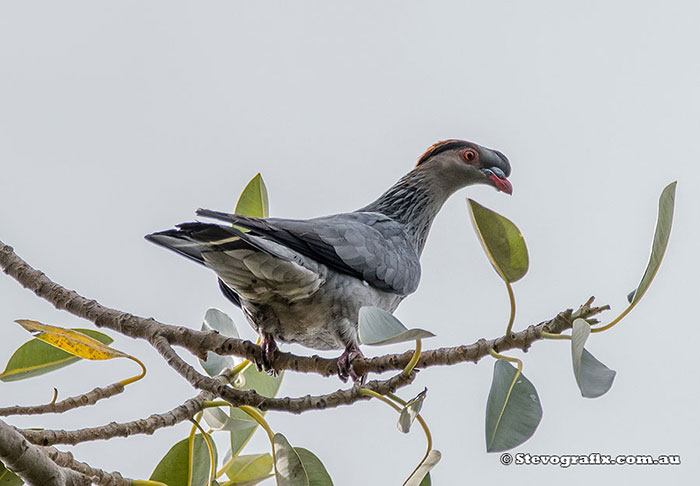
(178,242)
(229,293)
(191,240)
(236,219)
(221,216)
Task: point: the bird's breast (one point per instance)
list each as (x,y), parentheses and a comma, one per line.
(328,318)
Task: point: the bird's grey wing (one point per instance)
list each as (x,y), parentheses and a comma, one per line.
(368,246)
(249,266)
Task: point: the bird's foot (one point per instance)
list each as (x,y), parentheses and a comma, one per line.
(269,348)
(345,367)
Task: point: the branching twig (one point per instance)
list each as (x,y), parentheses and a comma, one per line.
(31,464)
(200,342)
(251,398)
(142,426)
(35,467)
(98,476)
(86,399)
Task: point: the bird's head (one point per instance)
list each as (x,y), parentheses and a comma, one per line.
(458,163)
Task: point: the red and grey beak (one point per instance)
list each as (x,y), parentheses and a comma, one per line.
(498,179)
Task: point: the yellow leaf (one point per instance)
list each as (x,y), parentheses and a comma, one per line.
(70,341)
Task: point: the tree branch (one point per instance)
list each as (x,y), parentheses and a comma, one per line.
(98,476)
(200,342)
(31,464)
(36,468)
(142,426)
(84,400)
(219,387)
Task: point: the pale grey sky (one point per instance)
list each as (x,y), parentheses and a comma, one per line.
(121,118)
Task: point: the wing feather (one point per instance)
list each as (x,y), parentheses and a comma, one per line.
(368,246)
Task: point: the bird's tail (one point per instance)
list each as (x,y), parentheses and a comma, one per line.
(192,239)
(246,222)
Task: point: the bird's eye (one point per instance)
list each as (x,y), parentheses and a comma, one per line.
(469,155)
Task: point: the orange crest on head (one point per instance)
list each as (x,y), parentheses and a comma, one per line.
(441,146)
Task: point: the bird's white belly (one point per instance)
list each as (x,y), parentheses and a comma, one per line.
(327,319)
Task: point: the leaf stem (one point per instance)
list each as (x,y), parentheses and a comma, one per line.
(207,440)
(238,368)
(371,393)
(128,381)
(550,335)
(618,318)
(190,448)
(216,403)
(658,250)
(509,359)
(257,416)
(225,466)
(142,482)
(511,296)
(423,424)
(414,359)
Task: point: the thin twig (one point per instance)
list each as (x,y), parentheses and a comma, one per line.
(146,426)
(71,403)
(251,398)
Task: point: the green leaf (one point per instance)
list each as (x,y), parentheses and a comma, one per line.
(289,470)
(251,482)
(315,470)
(253,200)
(250,468)
(260,381)
(8,478)
(378,327)
(419,475)
(593,377)
(241,428)
(215,417)
(426,480)
(597,378)
(513,409)
(664,221)
(502,241)
(296,466)
(410,412)
(36,357)
(216,320)
(240,425)
(580,330)
(174,468)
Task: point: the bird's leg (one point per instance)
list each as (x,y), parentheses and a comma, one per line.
(269,348)
(345,368)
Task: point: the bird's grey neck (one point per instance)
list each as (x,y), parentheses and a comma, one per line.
(413,201)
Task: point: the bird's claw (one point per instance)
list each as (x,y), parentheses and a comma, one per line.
(269,348)
(345,365)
